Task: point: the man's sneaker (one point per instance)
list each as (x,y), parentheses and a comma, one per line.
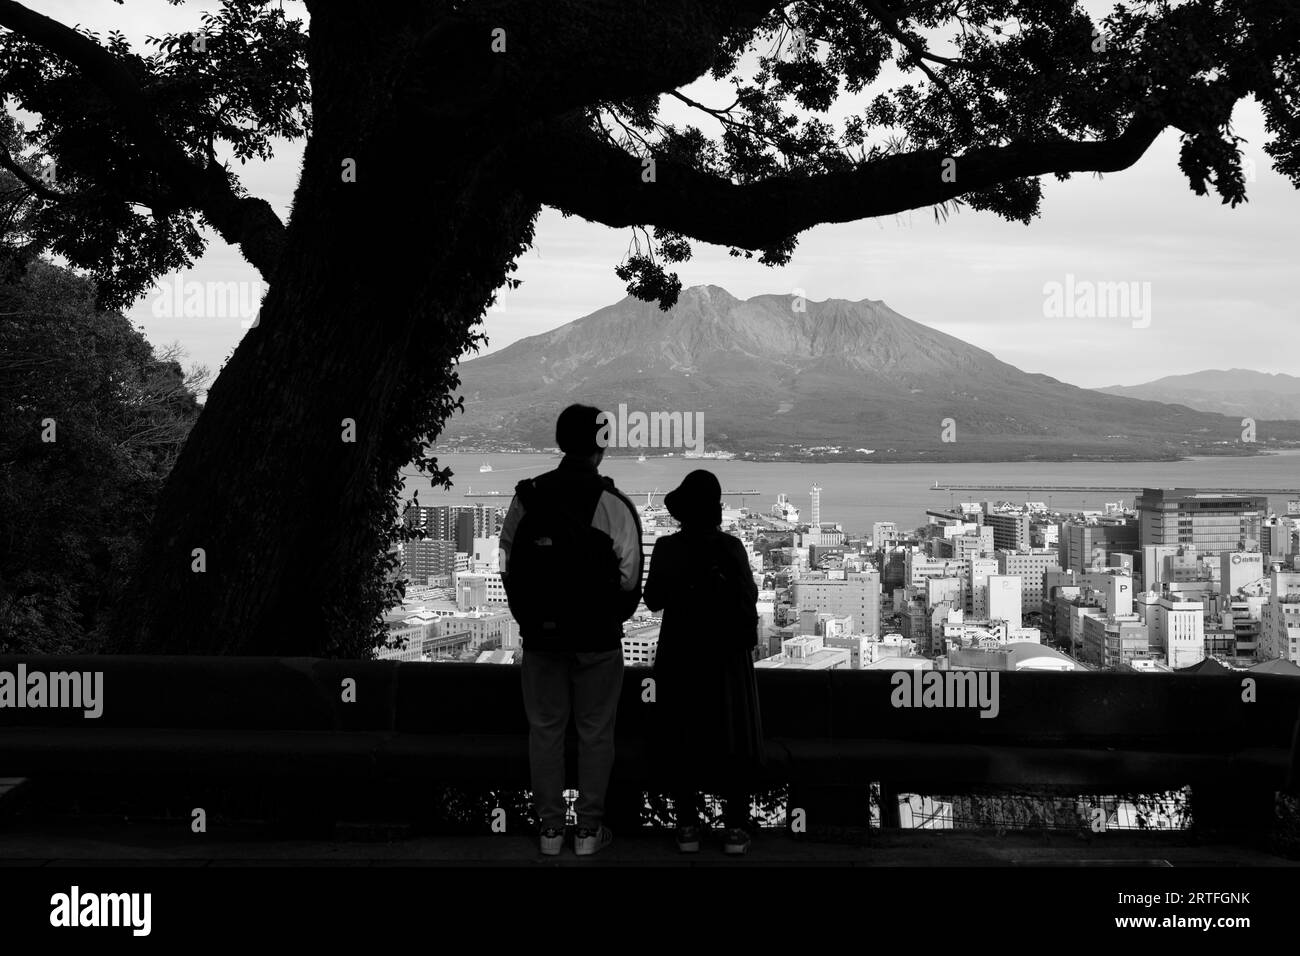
(688,839)
(588,842)
(735,842)
(552,841)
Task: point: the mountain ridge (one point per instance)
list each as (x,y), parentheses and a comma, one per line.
(1234,391)
(774,376)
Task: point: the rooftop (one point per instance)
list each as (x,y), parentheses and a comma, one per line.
(496,657)
(817,660)
(910,662)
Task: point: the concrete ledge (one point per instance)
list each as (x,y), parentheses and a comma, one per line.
(276,724)
(174,845)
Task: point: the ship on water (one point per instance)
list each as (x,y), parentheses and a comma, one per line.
(486,466)
(713,455)
(784,509)
(653,514)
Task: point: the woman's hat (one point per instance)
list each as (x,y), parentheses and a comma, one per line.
(697,500)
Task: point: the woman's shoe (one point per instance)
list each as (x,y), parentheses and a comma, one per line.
(688,839)
(735,842)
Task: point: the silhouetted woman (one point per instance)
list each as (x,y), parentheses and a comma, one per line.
(709,733)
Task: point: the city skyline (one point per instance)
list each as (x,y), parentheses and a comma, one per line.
(1009,562)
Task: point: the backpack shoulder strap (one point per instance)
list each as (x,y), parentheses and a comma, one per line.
(536,501)
(526,492)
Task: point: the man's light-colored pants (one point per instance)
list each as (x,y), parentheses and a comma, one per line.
(588,685)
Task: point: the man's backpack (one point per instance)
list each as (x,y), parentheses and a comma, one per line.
(563,573)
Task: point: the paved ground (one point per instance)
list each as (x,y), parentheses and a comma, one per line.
(111,843)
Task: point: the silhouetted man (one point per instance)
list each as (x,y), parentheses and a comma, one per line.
(571,564)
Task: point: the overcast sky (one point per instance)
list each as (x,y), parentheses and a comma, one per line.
(1211,269)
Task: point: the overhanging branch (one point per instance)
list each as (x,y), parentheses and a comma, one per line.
(243,221)
(33,184)
(576,172)
(561,56)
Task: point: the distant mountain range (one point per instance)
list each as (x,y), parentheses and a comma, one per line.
(1234,391)
(775,380)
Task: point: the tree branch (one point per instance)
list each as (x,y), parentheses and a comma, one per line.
(920,53)
(32,183)
(918,50)
(576,172)
(722,116)
(561,56)
(243,221)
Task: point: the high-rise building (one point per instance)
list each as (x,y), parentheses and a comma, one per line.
(1116,593)
(1086,546)
(1153,564)
(422,559)
(962,547)
(917,567)
(1004,598)
(465,526)
(1113,643)
(952,590)
(485,554)
(1241,619)
(1188,566)
(1239,568)
(857,593)
(443,521)
(816,534)
(1275,537)
(1010,529)
(1072,610)
(882,534)
(471,591)
(1030,566)
(1279,631)
(979,570)
(1054,582)
(1179,629)
(1210,522)
(419,517)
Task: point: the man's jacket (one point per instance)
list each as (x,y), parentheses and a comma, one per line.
(593,611)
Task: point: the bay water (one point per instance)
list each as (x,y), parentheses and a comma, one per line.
(856,494)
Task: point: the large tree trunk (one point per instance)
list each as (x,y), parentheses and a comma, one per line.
(381,283)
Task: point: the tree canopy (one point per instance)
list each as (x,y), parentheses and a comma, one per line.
(91,419)
(123,160)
